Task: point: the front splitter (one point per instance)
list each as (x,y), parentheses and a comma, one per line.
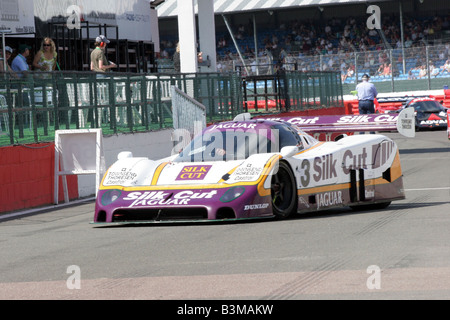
(173,222)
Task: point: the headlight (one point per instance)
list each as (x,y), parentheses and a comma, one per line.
(232,194)
(110,196)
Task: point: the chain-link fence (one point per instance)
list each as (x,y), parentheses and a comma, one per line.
(393,70)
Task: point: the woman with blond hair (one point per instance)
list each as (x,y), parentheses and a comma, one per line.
(45,58)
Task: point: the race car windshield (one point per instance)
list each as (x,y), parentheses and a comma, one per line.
(227,145)
(215,145)
(427,106)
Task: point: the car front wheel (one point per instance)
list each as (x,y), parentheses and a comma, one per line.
(283,192)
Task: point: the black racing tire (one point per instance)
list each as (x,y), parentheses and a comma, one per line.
(417,125)
(283,191)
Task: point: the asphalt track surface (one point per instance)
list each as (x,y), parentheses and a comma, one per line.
(402,252)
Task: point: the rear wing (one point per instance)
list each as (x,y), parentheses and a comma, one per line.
(402,99)
(333,125)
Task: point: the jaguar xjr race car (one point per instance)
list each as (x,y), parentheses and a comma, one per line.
(259,168)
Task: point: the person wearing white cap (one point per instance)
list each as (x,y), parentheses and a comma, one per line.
(8,53)
(99,62)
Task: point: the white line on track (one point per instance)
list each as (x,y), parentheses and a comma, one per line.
(404,157)
(426,189)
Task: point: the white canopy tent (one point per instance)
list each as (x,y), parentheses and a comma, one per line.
(169,7)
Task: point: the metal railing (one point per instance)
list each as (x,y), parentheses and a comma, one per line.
(292,90)
(34,106)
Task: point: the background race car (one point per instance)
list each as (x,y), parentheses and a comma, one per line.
(428,111)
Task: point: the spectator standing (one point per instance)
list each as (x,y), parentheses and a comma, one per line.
(99,62)
(45,59)
(366,95)
(176,59)
(20,64)
(8,53)
(21,67)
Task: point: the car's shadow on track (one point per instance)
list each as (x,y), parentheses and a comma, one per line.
(178,224)
(137,224)
(323,214)
(424,150)
(346,211)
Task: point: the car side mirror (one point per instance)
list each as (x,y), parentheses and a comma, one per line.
(289,151)
(124,155)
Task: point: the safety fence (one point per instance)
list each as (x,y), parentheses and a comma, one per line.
(419,67)
(292,91)
(33,106)
(187,113)
(412,68)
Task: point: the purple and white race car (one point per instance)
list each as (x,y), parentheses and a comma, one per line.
(258,168)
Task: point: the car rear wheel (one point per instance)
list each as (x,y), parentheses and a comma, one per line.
(283,192)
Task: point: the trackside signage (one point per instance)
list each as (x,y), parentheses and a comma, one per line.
(344,119)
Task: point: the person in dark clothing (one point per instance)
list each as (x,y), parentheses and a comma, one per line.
(176,59)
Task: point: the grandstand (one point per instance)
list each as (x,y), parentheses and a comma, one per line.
(320,35)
